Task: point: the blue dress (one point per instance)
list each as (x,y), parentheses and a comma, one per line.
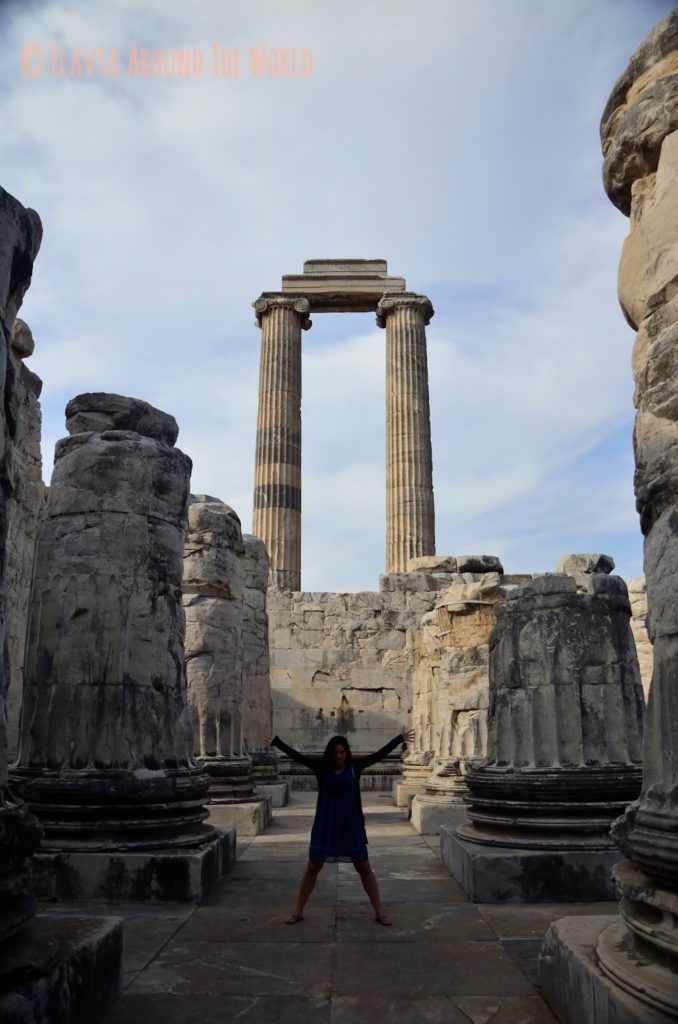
(338,831)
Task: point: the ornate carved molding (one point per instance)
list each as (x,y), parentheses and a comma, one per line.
(390,302)
(269,300)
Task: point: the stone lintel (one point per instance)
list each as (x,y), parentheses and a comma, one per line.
(499,874)
(342,293)
(345,267)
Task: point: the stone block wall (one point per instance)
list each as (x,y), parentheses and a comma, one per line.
(343,662)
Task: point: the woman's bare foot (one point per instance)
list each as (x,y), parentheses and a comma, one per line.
(294,918)
(383,919)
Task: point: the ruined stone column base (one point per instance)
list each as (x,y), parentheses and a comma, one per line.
(416,768)
(403,792)
(498,874)
(429,813)
(248,818)
(185,875)
(278,792)
(61,968)
(574,985)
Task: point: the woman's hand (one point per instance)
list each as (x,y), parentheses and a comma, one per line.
(408,735)
(268,741)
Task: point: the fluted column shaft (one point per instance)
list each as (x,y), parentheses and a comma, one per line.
(410,516)
(277,473)
(639,132)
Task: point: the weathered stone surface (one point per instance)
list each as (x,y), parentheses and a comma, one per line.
(574,984)
(432,563)
(410,514)
(276,519)
(638,598)
(641,111)
(564,739)
(213,599)
(20,237)
(639,954)
(585,563)
(106,749)
(27,509)
(354,286)
(479,563)
(221,620)
(506,874)
(213,603)
(565,716)
(257,707)
(342,663)
(100,412)
(61,968)
(451,688)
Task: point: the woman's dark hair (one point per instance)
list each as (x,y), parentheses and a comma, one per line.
(328,756)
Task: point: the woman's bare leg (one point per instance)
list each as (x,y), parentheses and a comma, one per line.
(306,887)
(369,880)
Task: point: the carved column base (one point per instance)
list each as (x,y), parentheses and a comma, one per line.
(264,767)
(230,778)
(234,803)
(416,770)
(117,810)
(554,809)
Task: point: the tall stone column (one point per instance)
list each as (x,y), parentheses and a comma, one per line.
(257,713)
(563,747)
(20,238)
(105,755)
(27,511)
(636,973)
(52,966)
(453,694)
(410,516)
(277,472)
(213,601)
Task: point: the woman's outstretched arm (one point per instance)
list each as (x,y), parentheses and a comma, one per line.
(309,762)
(366,760)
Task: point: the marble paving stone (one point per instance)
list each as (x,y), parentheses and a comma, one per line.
(419,922)
(525,952)
(426,1010)
(281,869)
(401,868)
(395,890)
(270,891)
(166,1009)
(532,921)
(512,1010)
(238,968)
(426,969)
(259,924)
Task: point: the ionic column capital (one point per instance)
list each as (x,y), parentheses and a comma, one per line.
(391,302)
(270,300)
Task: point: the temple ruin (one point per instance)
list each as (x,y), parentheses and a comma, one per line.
(151,648)
(343,286)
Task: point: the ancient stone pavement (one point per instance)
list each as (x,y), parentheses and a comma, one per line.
(445,960)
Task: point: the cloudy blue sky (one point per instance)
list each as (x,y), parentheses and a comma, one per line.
(457,140)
